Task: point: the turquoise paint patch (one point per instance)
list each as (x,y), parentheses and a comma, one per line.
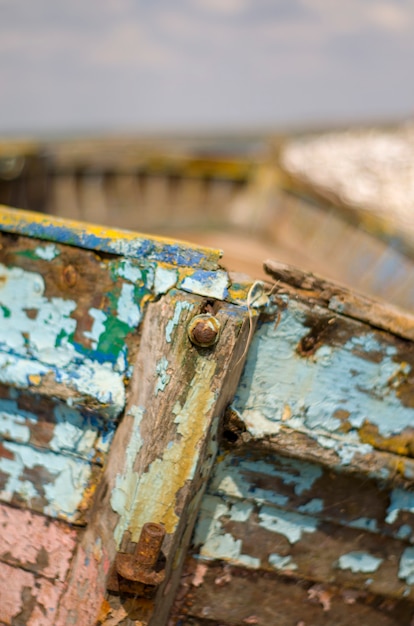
(291,525)
(359,562)
(406,568)
(313,506)
(365,523)
(5,311)
(100,319)
(33,347)
(404,532)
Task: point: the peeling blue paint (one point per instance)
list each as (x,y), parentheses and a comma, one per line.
(282,563)
(400,501)
(124,490)
(406,568)
(124,243)
(67,479)
(128,309)
(180,306)
(217,544)
(165,279)
(313,506)
(359,561)
(235,476)
(130,270)
(163,378)
(291,525)
(365,523)
(209,284)
(281,387)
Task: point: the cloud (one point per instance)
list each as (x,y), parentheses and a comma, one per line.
(132,62)
(222,7)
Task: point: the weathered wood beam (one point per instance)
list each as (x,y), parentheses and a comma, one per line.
(162,452)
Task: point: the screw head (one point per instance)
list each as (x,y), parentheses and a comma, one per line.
(204,330)
(69,275)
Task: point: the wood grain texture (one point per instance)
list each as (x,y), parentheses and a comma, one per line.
(217,593)
(27,600)
(36,544)
(340,299)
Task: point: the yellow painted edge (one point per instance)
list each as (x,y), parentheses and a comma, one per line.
(16,219)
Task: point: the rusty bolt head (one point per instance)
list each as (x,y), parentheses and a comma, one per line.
(69,275)
(204,330)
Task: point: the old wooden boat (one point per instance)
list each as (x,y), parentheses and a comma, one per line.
(181,446)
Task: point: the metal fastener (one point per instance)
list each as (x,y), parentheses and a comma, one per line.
(132,571)
(204,330)
(70,275)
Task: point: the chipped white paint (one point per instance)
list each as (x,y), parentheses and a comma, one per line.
(124,490)
(68,478)
(165,279)
(400,501)
(12,423)
(47,252)
(163,378)
(98,327)
(128,309)
(180,306)
(33,347)
(129,270)
(334,378)
(209,284)
(291,525)
(406,569)
(216,544)
(282,563)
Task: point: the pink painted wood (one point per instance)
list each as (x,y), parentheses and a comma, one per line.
(35,557)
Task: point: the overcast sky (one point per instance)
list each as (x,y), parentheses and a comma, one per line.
(70,65)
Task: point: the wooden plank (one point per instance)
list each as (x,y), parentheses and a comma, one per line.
(264,536)
(342,300)
(163,449)
(50,424)
(262,477)
(119,242)
(217,593)
(36,544)
(49,482)
(344,386)
(60,335)
(315,478)
(27,600)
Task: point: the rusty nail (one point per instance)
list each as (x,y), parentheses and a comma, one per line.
(140,566)
(204,330)
(70,275)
